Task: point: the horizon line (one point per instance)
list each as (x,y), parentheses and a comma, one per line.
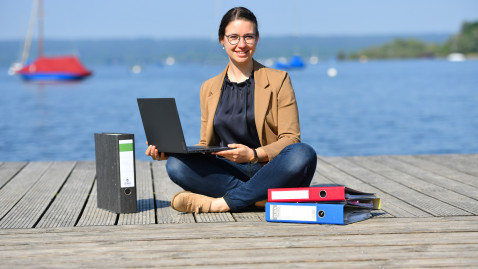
(215,38)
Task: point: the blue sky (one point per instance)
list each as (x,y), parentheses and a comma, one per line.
(94,19)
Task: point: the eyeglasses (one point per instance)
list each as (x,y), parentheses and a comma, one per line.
(235,39)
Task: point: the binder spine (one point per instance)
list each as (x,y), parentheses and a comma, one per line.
(305,213)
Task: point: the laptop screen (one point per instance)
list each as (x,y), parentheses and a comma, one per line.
(162,125)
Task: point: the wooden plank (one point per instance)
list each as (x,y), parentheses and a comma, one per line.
(279,242)
(148,261)
(28,211)
(279,263)
(66,208)
(463,162)
(449,242)
(214,217)
(16,188)
(164,190)
(407,175)
(355,176)
(249,216)
(145,196)
(402,186)
(252,251)
(234,230)
(9,170)
(406,164)
(94,216)
(444,171)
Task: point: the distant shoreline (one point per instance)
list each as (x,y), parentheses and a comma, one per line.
(204,51)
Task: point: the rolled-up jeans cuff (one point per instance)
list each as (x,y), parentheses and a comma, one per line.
(229,203)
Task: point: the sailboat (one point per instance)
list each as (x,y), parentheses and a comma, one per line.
(46,67)
(295,63)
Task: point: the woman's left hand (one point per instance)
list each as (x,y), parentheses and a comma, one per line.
(239,154)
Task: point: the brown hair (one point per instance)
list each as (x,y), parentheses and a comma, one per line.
(237,13)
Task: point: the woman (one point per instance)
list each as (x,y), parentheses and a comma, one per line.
(251,109)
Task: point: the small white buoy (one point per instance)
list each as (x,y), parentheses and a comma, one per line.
(136,69)
(170,60)
(332,72)
(282,60)
(313,60)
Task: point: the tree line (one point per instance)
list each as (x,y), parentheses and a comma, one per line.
(465,42)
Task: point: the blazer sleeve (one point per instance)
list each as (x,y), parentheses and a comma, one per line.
(288,127)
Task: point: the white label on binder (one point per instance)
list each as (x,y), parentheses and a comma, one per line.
(293,212)
(126,160)
(286,195)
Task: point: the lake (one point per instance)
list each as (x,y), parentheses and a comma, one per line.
(376,108)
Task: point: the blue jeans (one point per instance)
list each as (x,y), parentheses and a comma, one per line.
(243,184)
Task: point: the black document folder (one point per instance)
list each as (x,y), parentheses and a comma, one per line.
(115,172)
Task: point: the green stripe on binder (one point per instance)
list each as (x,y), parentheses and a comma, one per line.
(126,147)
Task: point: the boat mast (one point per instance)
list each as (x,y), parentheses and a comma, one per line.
(28,40)
(40,28)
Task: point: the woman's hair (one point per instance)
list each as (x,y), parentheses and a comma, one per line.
(237,13)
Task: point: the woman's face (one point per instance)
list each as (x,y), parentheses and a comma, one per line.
(242,52)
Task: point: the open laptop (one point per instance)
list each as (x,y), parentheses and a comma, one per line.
(163,128)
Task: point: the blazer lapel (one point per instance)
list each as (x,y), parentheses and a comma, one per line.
(262,97)
(212,101)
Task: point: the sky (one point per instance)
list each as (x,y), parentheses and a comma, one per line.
(101,19)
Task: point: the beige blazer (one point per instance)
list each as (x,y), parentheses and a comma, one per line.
(275,109)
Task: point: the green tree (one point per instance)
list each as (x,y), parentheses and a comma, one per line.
(399,48)
(466,41)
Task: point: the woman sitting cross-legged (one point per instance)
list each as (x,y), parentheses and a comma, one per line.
(251,109)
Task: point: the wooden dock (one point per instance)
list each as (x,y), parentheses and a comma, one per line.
(49,219)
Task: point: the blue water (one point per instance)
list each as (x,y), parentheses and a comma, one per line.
(377,108)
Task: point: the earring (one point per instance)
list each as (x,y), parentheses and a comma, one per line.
(223,47)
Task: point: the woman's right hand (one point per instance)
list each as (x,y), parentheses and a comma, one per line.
(155,154)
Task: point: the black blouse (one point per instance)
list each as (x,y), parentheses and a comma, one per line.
(234,120)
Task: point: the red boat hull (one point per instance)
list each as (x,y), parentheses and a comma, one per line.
(55,68)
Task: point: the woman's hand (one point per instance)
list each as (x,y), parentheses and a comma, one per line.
(239,154)
(155,154)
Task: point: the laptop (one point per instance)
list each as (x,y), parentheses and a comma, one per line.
(163,128)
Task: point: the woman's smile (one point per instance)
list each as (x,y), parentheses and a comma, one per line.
(242,53)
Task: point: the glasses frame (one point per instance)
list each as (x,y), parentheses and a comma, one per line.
(239,40)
